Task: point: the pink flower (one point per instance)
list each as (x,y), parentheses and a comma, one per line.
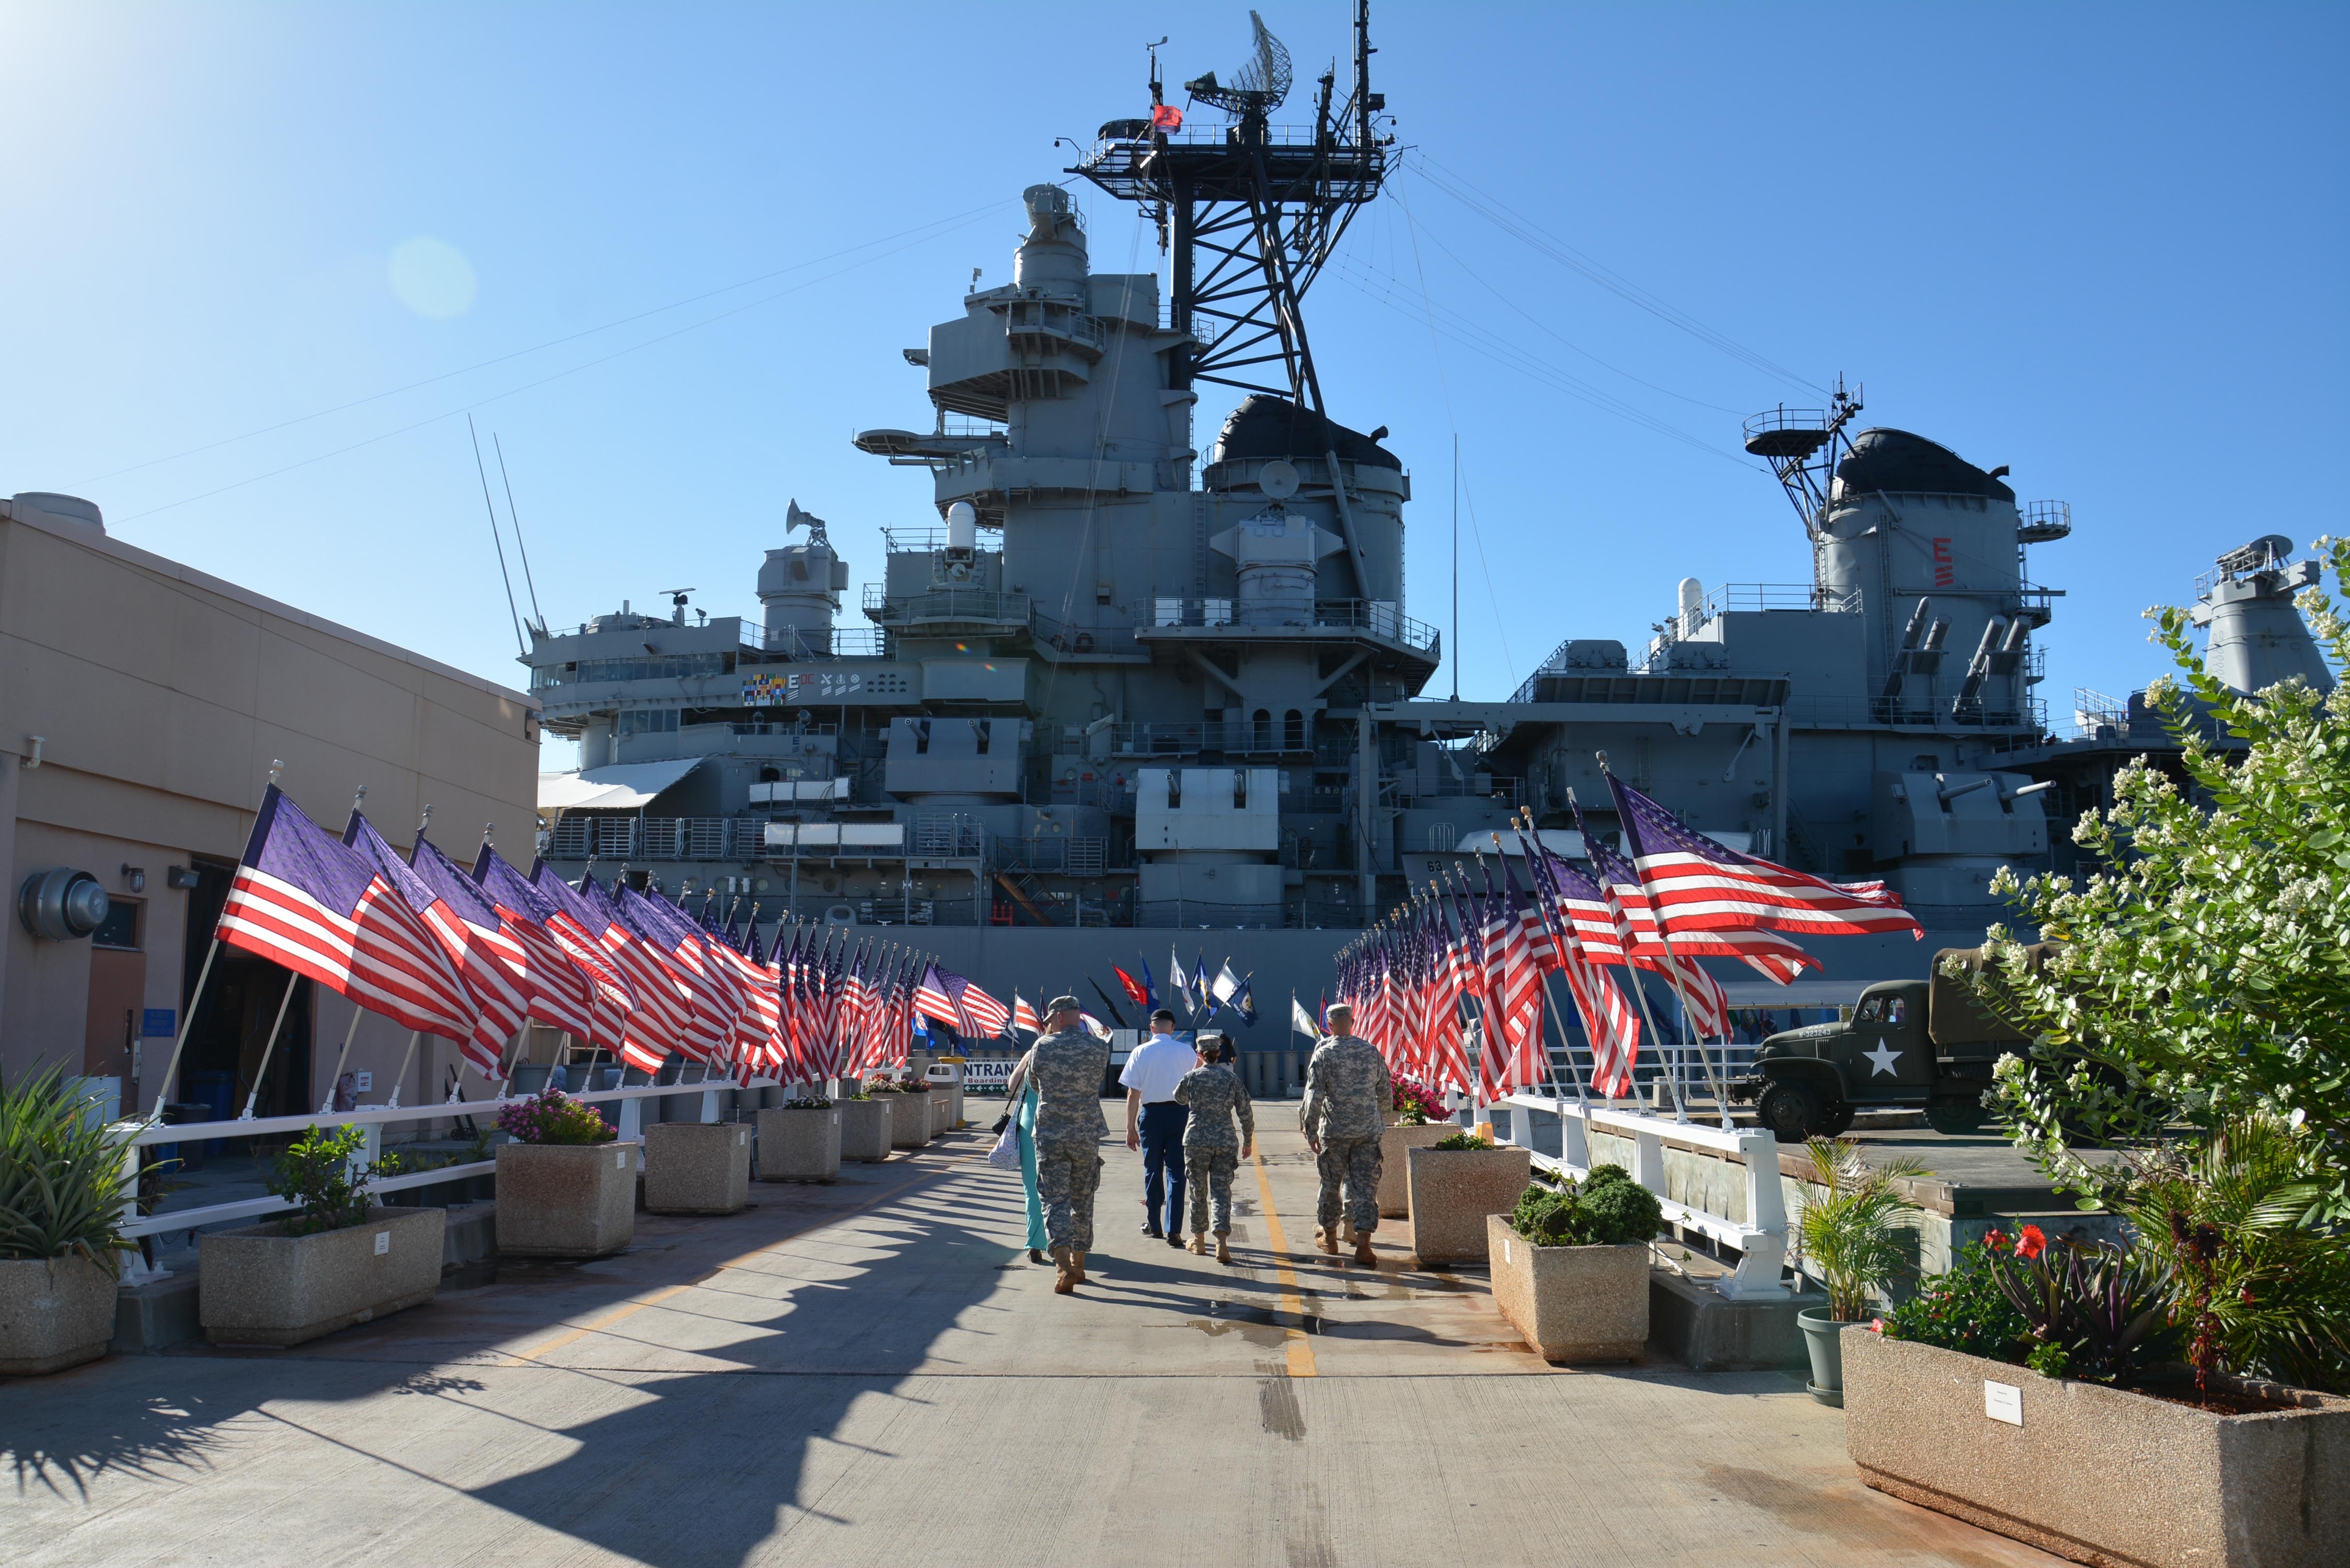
(1876,1325)
(1996,1240)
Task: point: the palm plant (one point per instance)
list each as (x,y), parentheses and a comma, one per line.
(62,1182)
(1852,1236)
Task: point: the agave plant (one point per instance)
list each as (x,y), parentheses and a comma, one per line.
(62,1183)
(1852,1236)
(2090,1311)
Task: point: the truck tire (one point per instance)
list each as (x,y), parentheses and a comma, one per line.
(1835,1120)
(1956,1121)
(1791,1110)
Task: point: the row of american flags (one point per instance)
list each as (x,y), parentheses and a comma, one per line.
(1451,986)
(473,955)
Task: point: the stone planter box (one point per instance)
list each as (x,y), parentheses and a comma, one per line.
(2097,1474)
(566,1200)
(1452,1192)
(697,1168)
(260,1286)
(909,1120)
(1394,1197)
(799,1146)
(865,1127)
(1572,1304)
(942,1107)
(55,1313)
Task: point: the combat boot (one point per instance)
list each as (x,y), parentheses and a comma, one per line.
(1326,1238)
(1066,1281)
(1363,1253)
(1197,1246)
(1078,1268)
(1223,1253)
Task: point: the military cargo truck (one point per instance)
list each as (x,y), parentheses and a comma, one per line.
(1923,1044)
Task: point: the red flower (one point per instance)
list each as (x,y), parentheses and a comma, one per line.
(2245,1295)
(2032,1242)
(1996,1241)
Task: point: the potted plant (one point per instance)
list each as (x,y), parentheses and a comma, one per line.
(62,1189)
(1571,1265)
(336,1260)
(1451,1187)
(566,1189)
(1851,1235)
(1420,1119)
(800,1141)
(697,1168)
(865,1121)
(909,1110)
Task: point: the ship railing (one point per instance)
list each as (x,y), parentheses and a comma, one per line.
(1682,1162)
(792,644)
(1382,619)
(1047,318)
(627,1104)
(1856,712)
(1508,790)
(946,605)
(1065,855)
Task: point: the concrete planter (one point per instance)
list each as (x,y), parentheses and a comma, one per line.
(799,1146)
(909,1120)
(1452,1191)
(1395,1197)
(1571,1304)
(260,1286)
(697,1168)
(2097,1474)
(941,1111)
(865,1127)
(566,1200)
(55,1313)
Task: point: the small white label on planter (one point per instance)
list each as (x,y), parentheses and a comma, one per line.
(383,1242)
(619,1159)
(741,1135)
(1505,1249)
(2003,1402)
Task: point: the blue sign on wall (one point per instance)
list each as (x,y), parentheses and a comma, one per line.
(158,1022)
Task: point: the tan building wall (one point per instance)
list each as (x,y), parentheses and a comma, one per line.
(162,696)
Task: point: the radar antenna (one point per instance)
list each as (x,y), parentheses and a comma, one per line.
(1249,213)
(795,518)
(1803,446)
(1260,85)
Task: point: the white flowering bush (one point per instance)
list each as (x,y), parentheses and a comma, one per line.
(2205,971)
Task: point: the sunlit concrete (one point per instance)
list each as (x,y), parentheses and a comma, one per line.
(872,1372)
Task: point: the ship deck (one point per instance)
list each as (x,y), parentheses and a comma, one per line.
(872,1372)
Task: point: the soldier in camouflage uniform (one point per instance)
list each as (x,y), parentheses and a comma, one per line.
(1210,1153)
(1067,1065)
(1347,1095)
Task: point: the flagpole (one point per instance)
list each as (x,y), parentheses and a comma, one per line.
(1640,991)
(284,1002)
(327,1108)
(1566,1046)
(400,1077)
(195,997)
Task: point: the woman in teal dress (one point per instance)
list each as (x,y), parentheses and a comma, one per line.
(1023,1104)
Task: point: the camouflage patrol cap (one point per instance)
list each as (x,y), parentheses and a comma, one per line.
(1061,1004)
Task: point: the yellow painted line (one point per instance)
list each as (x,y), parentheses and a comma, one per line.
(1299,1351)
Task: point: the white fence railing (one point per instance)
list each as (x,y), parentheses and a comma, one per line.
(1759,1236)
(629,1104)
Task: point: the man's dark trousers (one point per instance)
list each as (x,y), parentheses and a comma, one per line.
(1162,1164)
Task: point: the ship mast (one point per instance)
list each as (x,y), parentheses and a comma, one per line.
(1249,211)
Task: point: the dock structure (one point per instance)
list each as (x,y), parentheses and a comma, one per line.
(872,1372)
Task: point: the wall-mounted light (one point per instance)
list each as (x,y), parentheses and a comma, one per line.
(182,879)
(135,878)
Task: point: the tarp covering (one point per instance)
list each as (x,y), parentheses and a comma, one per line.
(622,786)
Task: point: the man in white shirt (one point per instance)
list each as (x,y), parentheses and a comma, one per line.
(1154,1123)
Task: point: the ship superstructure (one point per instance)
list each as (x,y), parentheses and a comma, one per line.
(1110,682)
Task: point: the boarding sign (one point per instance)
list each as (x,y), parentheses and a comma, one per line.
(987,1076)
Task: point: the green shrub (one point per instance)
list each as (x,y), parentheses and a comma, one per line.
(1462,1141)
(1606,1208)
(62,1186)
(1964,1309)
(315,1173)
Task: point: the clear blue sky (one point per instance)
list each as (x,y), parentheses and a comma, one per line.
(2102,244)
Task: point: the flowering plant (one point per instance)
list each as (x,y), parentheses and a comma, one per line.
(2089,1311)
(808,1103)
(1417,1105)
(1464,1140)
(1963,1310)
(553,1117)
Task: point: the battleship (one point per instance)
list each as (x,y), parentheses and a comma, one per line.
(1111,698)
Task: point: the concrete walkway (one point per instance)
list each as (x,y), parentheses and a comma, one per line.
(873,1373)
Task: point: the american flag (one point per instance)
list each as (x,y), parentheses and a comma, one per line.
(492,964)
(304,899)
(956,1002)
(656,1026)
(1708,1005)
(1767,952)
(676,942)
(1608,1023)
(1697,883)
(563,993)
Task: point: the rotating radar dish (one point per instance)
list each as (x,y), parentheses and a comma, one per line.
(1278,479)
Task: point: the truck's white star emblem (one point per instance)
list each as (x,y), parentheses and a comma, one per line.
(1881,1060)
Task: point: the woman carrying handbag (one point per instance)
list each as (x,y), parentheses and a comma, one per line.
(1018,1126)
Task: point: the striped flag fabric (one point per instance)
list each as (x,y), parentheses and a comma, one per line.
(1023,1016)
(490,963)
(304,899)
(676,942)
(1697,883)
(563,993)
(656,1027)
(1608,1023)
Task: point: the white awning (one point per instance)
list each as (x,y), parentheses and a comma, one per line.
(1811,990)
(1563,841)
(621,786)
